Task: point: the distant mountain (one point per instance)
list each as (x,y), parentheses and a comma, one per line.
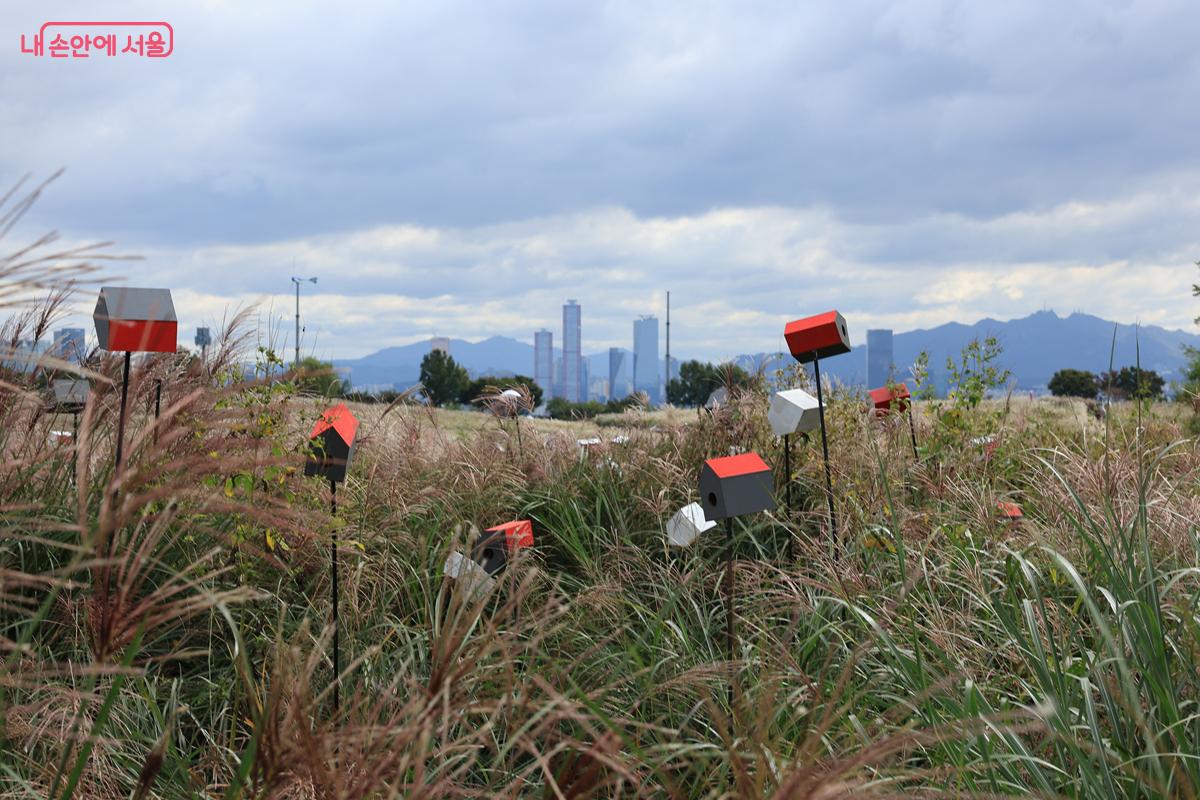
(401,366)
(1035,347)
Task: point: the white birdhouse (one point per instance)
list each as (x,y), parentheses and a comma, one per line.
(687,524)
(470,574)
(793,411)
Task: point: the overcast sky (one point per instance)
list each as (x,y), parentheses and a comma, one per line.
(462,169)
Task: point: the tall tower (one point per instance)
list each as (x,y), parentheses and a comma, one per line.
(573,389)
(880,367)
(543,362)
(645,356)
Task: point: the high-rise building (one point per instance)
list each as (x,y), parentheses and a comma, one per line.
(70,344)
(619,384)
(572,379)
(645,357)
(880,367)
(440,343)
(543,362)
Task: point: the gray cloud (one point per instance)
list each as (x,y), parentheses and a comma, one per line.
(462,168)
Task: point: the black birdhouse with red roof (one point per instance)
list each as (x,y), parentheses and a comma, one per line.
(820,336)
(497,545)
(136,320)
(331,444)
(736,485)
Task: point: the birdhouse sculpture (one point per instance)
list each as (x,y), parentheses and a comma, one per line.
(885,396)
(719,398)
(687,525)
(736,485)
(467,572)
(793,411)
(136,320)
(1010,511)
(497,545)
(68,396)
(817,337)
(331,444)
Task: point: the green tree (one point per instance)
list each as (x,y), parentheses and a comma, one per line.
(1132,382)
(442,378)
(1073,383)
(697,380)
(316,377)
(476,387)
(976,372)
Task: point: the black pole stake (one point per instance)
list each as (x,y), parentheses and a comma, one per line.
(157,406)
(729,634)
(75,450)
(912,429)
(121,419)
(787,482)
(825,451)
(333,565)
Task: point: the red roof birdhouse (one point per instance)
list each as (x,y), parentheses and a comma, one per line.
(817,337)
(498,544)
(883,397)
(736,485)
(1010,511)
(331,444)
(136,320)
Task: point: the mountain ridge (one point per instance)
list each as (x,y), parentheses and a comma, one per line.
(1035,347)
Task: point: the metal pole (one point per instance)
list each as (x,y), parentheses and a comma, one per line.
(825,450)
(333,564)
(121,419)
(912,429)
(75,451)
(157,406)
(667,384)
(297,365)
(787,482)
(729,633)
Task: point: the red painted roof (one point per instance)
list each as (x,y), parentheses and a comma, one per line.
(1010,510)
(812,333)
(732,466)
(340,419)
(517,534)
(883,397)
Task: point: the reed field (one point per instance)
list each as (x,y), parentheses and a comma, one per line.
(166,629)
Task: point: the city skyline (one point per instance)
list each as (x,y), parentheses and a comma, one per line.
(1021,182)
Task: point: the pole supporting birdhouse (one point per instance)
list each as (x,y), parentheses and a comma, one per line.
(811,339)
(331,447)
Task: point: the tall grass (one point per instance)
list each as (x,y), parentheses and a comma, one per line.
(174,642)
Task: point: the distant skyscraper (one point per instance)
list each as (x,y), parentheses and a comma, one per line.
(573,381)
(880,366)
(70,344)
(645,357)
(441,343)
(543,362)
(619,385)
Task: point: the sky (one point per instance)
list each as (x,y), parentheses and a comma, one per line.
(462,169)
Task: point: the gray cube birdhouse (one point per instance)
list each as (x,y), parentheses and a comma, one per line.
(136,320)
(793,411)
(69,396)
(736,485)
(331,444)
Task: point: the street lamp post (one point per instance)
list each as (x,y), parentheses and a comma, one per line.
(299,281)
